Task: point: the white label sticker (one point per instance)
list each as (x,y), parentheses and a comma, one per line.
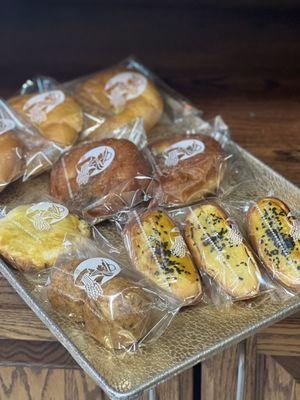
(94,272)
(178,247)
(44,214)
(93,163)
(6,125)
(40,105)
(125,86)
(182,150)
(234,235)
(295,229)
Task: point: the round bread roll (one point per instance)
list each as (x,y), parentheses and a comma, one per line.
(32,235)
(188,167)
(121,316)
(11,158)
(56,116)
(101,178)
(118,97)
(63,295)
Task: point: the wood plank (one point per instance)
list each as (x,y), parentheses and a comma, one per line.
(281,339)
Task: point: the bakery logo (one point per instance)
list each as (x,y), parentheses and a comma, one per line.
(44,214)
(6,125)
(125,86)
(39,106)
(93,163)
(234,235)
(94,272)
(178,246)
(295,229)
(182,150)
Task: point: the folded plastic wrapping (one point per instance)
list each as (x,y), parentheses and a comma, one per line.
(118,307)
(115,97)
(32,233)
(157,249)
(49,123)
(101,178)
(229,268)
(190,164)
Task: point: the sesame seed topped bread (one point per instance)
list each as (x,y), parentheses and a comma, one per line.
(221,252)
(275,234)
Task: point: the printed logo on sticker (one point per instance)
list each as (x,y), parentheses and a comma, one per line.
(182,150)
(6,125)
(94,272)
(93,163)
(125,86)
(40,105)
(44,214)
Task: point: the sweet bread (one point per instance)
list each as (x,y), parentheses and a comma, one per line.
(187,167)
(118,97)
(221,252)
(158,251)
(101,178)
(11,156)
(275,235)
(120,316)
(31,236)
(55,115)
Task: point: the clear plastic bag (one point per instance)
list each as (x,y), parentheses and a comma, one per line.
(32,233)
(274,231)
(53,122)
(101,178)
(230,269)
(118,307)
(157,249)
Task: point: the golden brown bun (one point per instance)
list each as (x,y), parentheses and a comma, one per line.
(119,317)
(63,295)
(31,243)
(221,252)
(94,95)
(275,235)
(62,124)
(159,252)
(11,158)
(186,175)
(116,182)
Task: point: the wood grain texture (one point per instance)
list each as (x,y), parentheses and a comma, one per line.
(281,339)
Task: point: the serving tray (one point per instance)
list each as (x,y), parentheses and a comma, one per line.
(194,335)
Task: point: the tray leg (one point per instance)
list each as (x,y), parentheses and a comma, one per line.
(241,376)
(152,394)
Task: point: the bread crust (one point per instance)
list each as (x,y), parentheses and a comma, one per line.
(270,227)
(120,317)
(92,95)
(108,191)
(159,252)
(192,176)
(29,249)
(11,158)
(61,125)
(229,262)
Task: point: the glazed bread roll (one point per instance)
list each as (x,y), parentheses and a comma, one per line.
(11,157)
(159,252)
(121,316)
(118,97)
(220,251)
(101,178)
(275,235)
(188,167)
(31,236)
(63,294)
(56,116)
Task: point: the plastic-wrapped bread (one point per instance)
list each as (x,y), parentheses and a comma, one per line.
(275,234)
(158,250)
(221,252)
